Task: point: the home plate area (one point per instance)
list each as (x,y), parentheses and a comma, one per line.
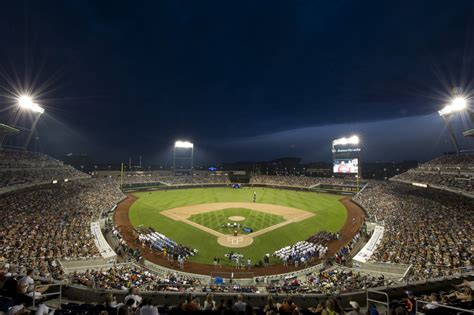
(235,241)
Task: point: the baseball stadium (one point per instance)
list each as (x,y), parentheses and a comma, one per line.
(218,220)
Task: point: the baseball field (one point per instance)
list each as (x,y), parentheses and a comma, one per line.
(207,218)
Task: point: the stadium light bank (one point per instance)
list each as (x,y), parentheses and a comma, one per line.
(26,102)
(456,105)
(183,144)
(343,141)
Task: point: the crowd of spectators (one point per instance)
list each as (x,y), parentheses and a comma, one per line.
(19,168)
(231,288)
(428,228)
(168,179)
(339,280)
(296,181)
(455,172)
(463,161)
(342,255)
(23,159)
(457,182)
(124,277)
(44,224)
(323,237)
(459,296)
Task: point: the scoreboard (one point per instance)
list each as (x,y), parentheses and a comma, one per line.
(346,154)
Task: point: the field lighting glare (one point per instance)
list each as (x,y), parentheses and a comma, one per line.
(26,102)
(183,144)
(457,104)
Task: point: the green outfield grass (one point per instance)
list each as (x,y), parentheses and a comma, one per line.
(330,215)
(255,220)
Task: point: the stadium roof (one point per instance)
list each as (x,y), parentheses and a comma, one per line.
(5,129)
(468,133)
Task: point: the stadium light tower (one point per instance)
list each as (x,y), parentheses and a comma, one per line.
(458,104)
(25,102)
(183,151)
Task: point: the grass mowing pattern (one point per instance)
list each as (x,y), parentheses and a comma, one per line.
(330,215)
(255,220)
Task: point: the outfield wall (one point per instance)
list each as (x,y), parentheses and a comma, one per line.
(160,186)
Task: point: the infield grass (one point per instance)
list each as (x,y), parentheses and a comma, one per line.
(217,220)
(330,215)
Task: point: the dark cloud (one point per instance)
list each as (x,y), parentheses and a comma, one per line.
(134,77)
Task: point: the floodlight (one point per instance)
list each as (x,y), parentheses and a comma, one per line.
(37,109)
(353,140)
(26,102)
(183,144)
(457,104)
(343,141)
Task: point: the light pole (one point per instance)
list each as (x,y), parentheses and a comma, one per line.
(457,104)
(27,103)
(186,155)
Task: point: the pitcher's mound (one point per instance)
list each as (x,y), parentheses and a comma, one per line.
(236,218)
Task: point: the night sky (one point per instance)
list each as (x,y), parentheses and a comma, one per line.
(243,80)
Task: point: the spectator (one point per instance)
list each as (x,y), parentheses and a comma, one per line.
(190,305)
(287,307)
(433,302)
(249,309)
(133,294)
(27,286)
(111,301)
(229,309)
(329,308)
(355,308)
(270,308)
(209,303)
(127,308)
(239,306)
(148,308)
(410,303)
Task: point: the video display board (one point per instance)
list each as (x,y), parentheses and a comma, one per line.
(346,166)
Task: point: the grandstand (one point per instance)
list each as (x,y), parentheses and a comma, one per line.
(454,173)
(426,233)
(19,169)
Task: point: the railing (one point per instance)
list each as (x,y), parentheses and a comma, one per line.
(441,306)
(407,272)
(46,294)
(385,302)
